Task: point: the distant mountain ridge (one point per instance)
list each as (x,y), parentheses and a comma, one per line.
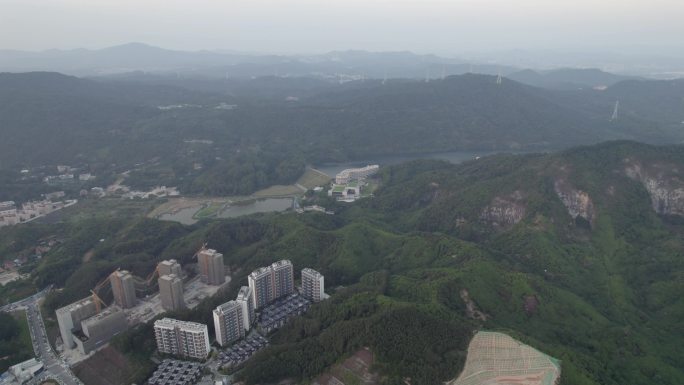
(568,78)
(142,57)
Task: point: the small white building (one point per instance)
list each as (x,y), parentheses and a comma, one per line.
(26,370)
(345,176)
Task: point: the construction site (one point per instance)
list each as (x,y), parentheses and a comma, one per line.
(87,325)
(497,359)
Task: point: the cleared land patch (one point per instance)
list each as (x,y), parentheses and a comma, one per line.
(107,367)
(497,359)
(355,370)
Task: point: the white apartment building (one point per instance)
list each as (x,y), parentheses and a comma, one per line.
(313,286)
(182,338)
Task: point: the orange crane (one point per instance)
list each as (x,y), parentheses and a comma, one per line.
(98,301)
(146,283)
(96,297)
(201,249)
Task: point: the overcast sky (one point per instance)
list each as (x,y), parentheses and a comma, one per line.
(307,26)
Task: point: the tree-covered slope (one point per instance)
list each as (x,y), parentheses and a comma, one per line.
(601,293)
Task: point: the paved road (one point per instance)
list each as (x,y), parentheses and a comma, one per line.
(55,367)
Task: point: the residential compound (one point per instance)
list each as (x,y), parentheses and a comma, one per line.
(182,338)
(312,285)
(270,283)
(123,288)
(211,268)
(11,214)
(174,372)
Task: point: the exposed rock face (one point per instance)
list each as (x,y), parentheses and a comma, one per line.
(577,202)
(530,305)
(663,183)
(504,211)
(471,308)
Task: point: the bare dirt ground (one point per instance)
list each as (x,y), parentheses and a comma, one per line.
(354,370)
(106,367)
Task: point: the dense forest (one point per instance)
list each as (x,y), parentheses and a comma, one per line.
(250,135)
(575,253)
(14,344)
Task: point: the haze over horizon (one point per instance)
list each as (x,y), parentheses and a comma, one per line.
(432,26)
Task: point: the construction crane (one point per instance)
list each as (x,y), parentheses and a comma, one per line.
(96,291)
(201,249)
(98,301)
(147,281)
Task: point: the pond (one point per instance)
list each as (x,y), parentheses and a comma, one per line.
(186,215)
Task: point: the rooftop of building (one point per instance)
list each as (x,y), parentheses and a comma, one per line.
(244,292)
(260,271)
(169,262)
(169,277)
(311,271)
(103,314)
(227,306)
(187,325)
(209,252)
(122,273)
(282,262)
(75,305)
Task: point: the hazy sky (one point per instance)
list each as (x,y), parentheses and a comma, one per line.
(285,26)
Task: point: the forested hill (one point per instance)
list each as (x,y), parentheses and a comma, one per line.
(567,78)
(579,254)
(249,141)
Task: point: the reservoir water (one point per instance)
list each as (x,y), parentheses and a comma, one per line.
(453,156)
(186,216)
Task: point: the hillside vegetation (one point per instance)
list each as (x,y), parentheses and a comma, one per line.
(579,254)
(240,140)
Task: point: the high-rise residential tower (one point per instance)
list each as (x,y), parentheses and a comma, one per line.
(170,266)
(182,338)
(246,301)
(229,323)
(283,278)
(272,282)
(211,268)
(261,284)
(312,285)
(123,288)
(171,292)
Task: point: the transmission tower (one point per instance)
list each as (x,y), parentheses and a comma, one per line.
(615,111)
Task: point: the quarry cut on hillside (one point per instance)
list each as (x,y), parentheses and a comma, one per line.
(497,359)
